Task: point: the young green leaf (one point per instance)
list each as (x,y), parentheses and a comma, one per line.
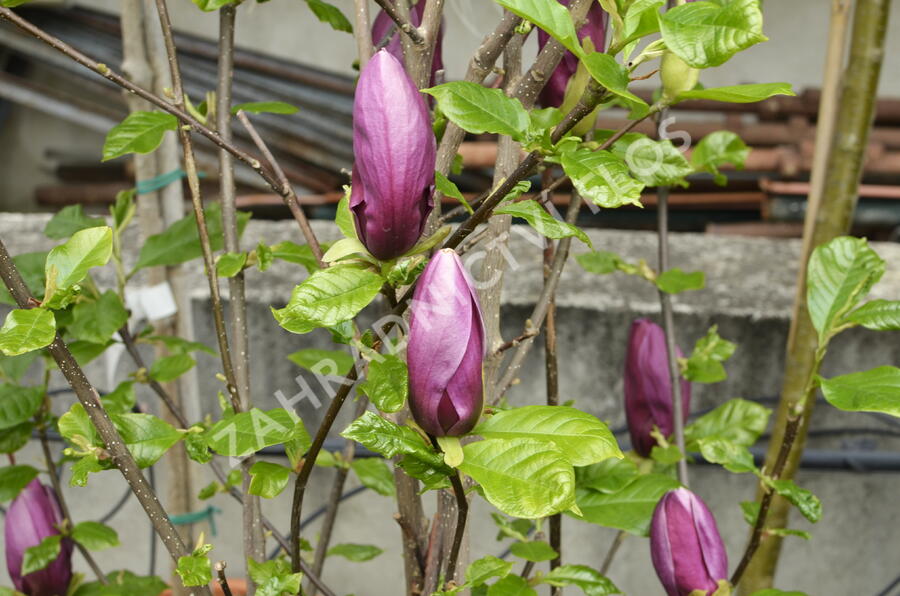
(485,568)
(875,390)
(608,476)
(600,262)
(195,569)
(97,320)
(146,436)
(675,281)
(330,14)
(230,264)
(591,582)
(878,315)
(140,132)
(94,535)
(602,178)
(387,383)
(739,93)
(248,432)
(15,437)
(27,330)
(31,268)
(521,477)
(708,33)
(629,509)
(355,552)
(212,5)
(18,404)
(614,77)
(705,363)
(737,420)
(69,263)
(478,110)
(511,585)
(69,220)
(447,188)
(655,163)
(265,107)
(717,149)
(375,474)
(328,297)
(534,550)
(840,274)
(39,556)
(547,225)
(274,578)
(324,362)
(735,458)
(267,480)
(808,504)
(170,368)
(388,439)
(582,438)
(13,479)
(552,17)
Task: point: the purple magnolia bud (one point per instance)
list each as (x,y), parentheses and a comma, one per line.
(31,517)
(446,349)
(393,177)
(648,388)
(685,545)
(595,29)
(386,35)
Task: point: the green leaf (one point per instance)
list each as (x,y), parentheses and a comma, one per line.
(147,437)
(180,242)
(265,107)
(875,390)
(878,315)
(69,220)
(675,281)
(330,14)
(39,556)
(194,569)
(140,132)
(521,477)
(705,363)
(739,93)
(590,581)
(485,568)
(123,583)
(15,437)
(582,438)
(85,351)
(538,218)
(328,297)
(179,345)
(13,3)
(609,476)
(299,254)
(535,550)
(18,404)
(717,149)
(432,476)
(600,262)
(511,585)
(123,210)
(95,536)
(267,480)
(13,368)
(211,5)
(69,263)
(13,479)
(777,592)
(344,248)
(274,578)
(655,163)
(264,256)
(641,19)
(840,274)
(323,361)
(230,264)
(355,552)
(27,330)
(387,383)
(170,368)
(602,178)
(478,110)
(808,504)
(375,474)
(388,439)
(735,458)
(96,321)
(707,33)
(343,217)
(195,445)
(82,468)
(552,17)
(789,532)
(614,77)
(737,420)
(449,189)
(629,509)
(248,432)
(76,427)
(31,268)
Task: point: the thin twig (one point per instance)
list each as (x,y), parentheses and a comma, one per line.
(167,106)
(611,553)
(112,440)
(63,506)
(361,28)
(223,581)
(665,301)
(462,509)
(402,23)
(132,349)
(287,189)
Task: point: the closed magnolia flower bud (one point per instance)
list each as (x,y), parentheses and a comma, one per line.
(31,517)
(386,34)
(677,77)
(446,349)
(685,545)
(393,176)
(648,389)
(594,29)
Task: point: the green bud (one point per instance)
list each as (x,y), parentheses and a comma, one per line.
(677,76)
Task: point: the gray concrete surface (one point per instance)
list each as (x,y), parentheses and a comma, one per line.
(854,549)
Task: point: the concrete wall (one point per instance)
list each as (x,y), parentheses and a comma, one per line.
(854,548)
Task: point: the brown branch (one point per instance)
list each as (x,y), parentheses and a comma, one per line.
(361,29)
(287,191)
(63,506)
(403,23)
(177,111)
(462,512)
(220,576)
(112,440)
